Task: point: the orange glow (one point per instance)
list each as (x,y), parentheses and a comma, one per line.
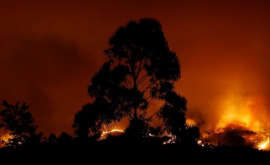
(4,138)
(104,134)
(240,122)
(264,145)
(190,122)
(48,56)
(240,111)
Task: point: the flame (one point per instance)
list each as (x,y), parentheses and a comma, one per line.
(238,112)
(234,134)
(4,138)
(200,142)
(171,140)
(116,130)
(190,122)
(263,145)
(241,120)
(105,133)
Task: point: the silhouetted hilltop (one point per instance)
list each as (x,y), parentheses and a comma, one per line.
(141,151)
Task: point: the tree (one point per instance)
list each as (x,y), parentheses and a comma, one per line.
(140,71)
(19,122)
(52,138)
(64,138)
(89,120)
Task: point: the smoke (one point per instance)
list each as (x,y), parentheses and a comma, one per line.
(225,71)
(233,135)
(49,74)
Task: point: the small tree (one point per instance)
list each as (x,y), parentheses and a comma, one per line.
(19,122)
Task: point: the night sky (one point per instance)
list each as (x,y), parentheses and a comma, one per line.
(49,50)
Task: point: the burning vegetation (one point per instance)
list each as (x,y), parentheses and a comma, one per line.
(235,135)
(232,134)
(4,138)
(238,120)
(239,123)
(113,132)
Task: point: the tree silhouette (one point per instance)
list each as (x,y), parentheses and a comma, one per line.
(140,72)
(64,138)
(19,122)
(89,120)
(52,138)
(190,134)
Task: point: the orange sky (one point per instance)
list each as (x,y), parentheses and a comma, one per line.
(49,50)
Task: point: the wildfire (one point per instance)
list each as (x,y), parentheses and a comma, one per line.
(4,138)
(241,121)
(264,145)
(190,122)
(235,135)
(104,134)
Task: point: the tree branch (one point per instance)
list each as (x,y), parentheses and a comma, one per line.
(139,70)
(142,79)
(128,82)
(153,114)
(149,86)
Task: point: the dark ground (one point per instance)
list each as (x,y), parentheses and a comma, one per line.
(132,152)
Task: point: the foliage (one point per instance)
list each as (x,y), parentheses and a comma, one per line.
(90,119)
(64,138)
(52,138)
(139,73)
(19,122)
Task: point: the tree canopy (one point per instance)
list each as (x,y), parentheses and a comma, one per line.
(140,72)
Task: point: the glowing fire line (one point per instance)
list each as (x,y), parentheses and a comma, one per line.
(105,133)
